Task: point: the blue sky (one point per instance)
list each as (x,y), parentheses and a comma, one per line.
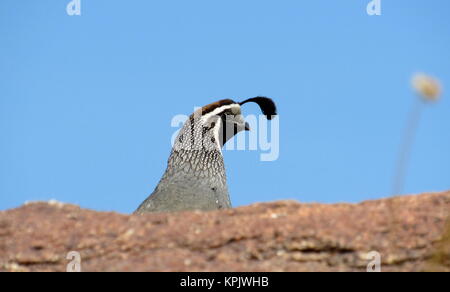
(86,101)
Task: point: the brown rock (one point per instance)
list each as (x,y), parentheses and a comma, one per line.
(409,232)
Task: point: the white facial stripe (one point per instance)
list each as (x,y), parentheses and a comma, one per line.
(218,110)
(216,134)
(234,107)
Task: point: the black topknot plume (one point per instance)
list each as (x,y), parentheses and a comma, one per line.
(266,104)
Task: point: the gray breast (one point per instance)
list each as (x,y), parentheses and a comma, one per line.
(194,180)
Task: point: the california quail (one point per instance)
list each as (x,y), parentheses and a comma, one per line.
(195,177)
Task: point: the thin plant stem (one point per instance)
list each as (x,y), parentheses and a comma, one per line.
(406,146)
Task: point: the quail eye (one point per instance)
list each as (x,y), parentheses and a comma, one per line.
(228,113)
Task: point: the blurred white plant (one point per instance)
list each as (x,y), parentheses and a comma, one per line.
(429,89)
(426,86)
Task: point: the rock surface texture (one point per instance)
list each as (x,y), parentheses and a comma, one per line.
(411,233)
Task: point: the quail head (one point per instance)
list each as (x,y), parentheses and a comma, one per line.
(195,177)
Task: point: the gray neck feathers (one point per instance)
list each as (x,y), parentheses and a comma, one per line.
(196,152)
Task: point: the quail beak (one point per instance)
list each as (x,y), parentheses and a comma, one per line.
(241,123)
(247,126)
